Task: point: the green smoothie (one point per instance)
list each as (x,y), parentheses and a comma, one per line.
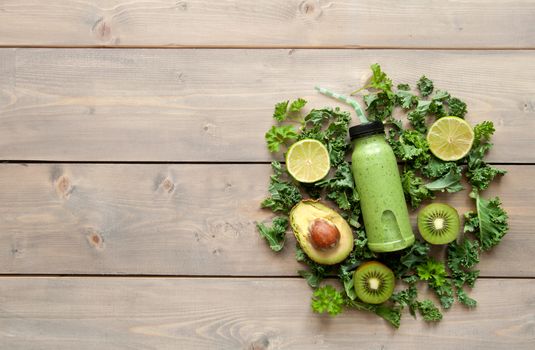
(384,210)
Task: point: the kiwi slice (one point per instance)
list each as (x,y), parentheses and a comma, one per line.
(374,282)
(439,223)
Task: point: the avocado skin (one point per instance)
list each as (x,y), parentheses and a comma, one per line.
(303,214)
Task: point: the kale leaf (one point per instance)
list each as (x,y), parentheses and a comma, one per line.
(425,86)
(450,182)
(429,311)
(479,173)
(457,107)
(434,272)
(415,188)
(462,257)
(341,187)
(316,272)
(283,194)
(276,234)
(412,147)
(489,223)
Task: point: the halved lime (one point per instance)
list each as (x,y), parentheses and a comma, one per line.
(308,161)
(450,138)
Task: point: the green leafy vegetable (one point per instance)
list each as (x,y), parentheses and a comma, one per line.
(327,299)
(407,298)
(414,188)
(435,273)
(429,311)
(489,223)
(346,276)
(450,182)
(457,107)
(341,187)
(360,253)
(465,299)
(312,279)
(334,136)
(279,135)
(392,315)
(316,272)
(380,80)
(297,105)
(412,257)
(481,177)
(284,195)
(417,116)
(403,263)
(379,104)
(482,132)
(462,257)
(279,114)
(282,112)
(413,148)
(479,173)
(425,86)
(276,234)
(437,104)
(405,99)
(437,168)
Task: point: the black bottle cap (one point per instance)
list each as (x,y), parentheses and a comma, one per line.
(375,127)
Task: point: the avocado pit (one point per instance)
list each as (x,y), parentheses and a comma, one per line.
(323,234)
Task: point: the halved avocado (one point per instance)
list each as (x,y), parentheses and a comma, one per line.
(302,218)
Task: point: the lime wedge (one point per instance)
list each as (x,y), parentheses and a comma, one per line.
(308,161)
(450,138)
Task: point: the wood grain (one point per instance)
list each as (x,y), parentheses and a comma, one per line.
(257,313)
(275,23)
(216,105)
(183,220)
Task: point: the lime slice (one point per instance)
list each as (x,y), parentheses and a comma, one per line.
(450,138)
(308,161)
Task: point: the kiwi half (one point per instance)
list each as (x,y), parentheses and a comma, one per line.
(439,223)
(374,282)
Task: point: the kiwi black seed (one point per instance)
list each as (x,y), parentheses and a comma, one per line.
(439,223)
(374,282)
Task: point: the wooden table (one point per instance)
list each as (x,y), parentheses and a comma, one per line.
(131,135)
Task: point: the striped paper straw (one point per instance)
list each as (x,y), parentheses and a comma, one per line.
(346,99)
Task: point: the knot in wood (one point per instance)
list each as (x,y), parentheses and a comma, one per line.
(311,8)
(168,185)
(95,240)
(182,5)
(102,29)
(64,187)
(262,343)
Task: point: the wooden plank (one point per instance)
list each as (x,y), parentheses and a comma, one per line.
(182,220)
(295,23)
(156,313)
(216,105)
